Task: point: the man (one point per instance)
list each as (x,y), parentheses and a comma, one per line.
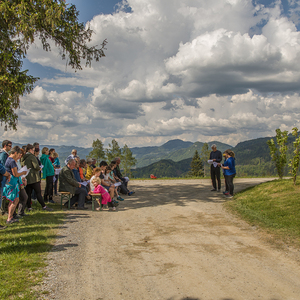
(73,155)
(6,175)
(216,157)
(68,183)
(119,177)
(6,147)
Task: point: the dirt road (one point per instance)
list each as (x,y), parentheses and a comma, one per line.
(171,240)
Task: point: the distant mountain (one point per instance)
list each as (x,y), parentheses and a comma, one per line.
(175,150)
(64,151)
(164,168)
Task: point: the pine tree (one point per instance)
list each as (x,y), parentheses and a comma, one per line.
(196,166)
(98,151)
(128,161)
(113,151)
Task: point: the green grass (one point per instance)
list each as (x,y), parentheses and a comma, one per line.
(23,251)
(274,206)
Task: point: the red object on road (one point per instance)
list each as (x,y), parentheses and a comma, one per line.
(152,176)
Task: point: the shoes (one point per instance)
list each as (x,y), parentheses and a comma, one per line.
(17,217)
(81,208)
(51,201)
(23,215)
(119,198)
(213,190)
(113,208)
(130,193)
(229,196)
(2,227)
(47,208)
(12,221)
(226,193)
(30,209)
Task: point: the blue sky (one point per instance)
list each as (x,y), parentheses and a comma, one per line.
(195,70)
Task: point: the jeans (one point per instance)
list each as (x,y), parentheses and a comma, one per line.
(229,181)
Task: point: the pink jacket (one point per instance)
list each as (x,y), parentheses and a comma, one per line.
(99,189)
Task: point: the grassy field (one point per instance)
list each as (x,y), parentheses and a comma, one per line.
(23,250)
(274,206)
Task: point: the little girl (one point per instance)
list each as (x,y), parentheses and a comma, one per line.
(99,189)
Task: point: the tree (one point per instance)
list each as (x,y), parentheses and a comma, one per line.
(196,166)
(205,153)
(294,162)
(98,151)
(128,161)
(278,152)
(113,151)
(21,23)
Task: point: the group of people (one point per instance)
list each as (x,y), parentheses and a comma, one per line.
(17,185)
(79,177)
(228,168)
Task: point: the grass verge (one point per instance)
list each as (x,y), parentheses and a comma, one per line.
(274,206)
(23,250)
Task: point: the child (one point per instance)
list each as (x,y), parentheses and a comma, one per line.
(99,189)
(110,181)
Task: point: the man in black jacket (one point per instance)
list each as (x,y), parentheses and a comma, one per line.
(216,157)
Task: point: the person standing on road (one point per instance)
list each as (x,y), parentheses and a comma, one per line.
(216,157)
(229,171)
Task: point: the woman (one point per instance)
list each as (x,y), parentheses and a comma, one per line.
(23,195)
(33,178)
(56,166)
(48,173)
(11,191)
(229,171)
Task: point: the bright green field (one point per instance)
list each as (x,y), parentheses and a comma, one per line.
(272,205)
(23,250)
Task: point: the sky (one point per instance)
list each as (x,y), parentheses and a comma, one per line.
(196,70)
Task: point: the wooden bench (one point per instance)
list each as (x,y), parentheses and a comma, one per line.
(94,198)
(65,196)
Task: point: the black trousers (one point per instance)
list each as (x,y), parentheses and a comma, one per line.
(215,174)
(37,188)
(229,181)
(48,189)
(22,201)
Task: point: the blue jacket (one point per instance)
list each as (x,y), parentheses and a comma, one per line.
(230,162)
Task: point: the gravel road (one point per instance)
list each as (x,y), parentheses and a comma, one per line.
(171,240)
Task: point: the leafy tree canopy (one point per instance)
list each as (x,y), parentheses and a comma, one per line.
(21,23)
(98,151)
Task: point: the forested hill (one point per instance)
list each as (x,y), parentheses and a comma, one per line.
(175,150)
(164,168)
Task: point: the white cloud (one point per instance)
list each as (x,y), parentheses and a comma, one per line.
(188,69)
